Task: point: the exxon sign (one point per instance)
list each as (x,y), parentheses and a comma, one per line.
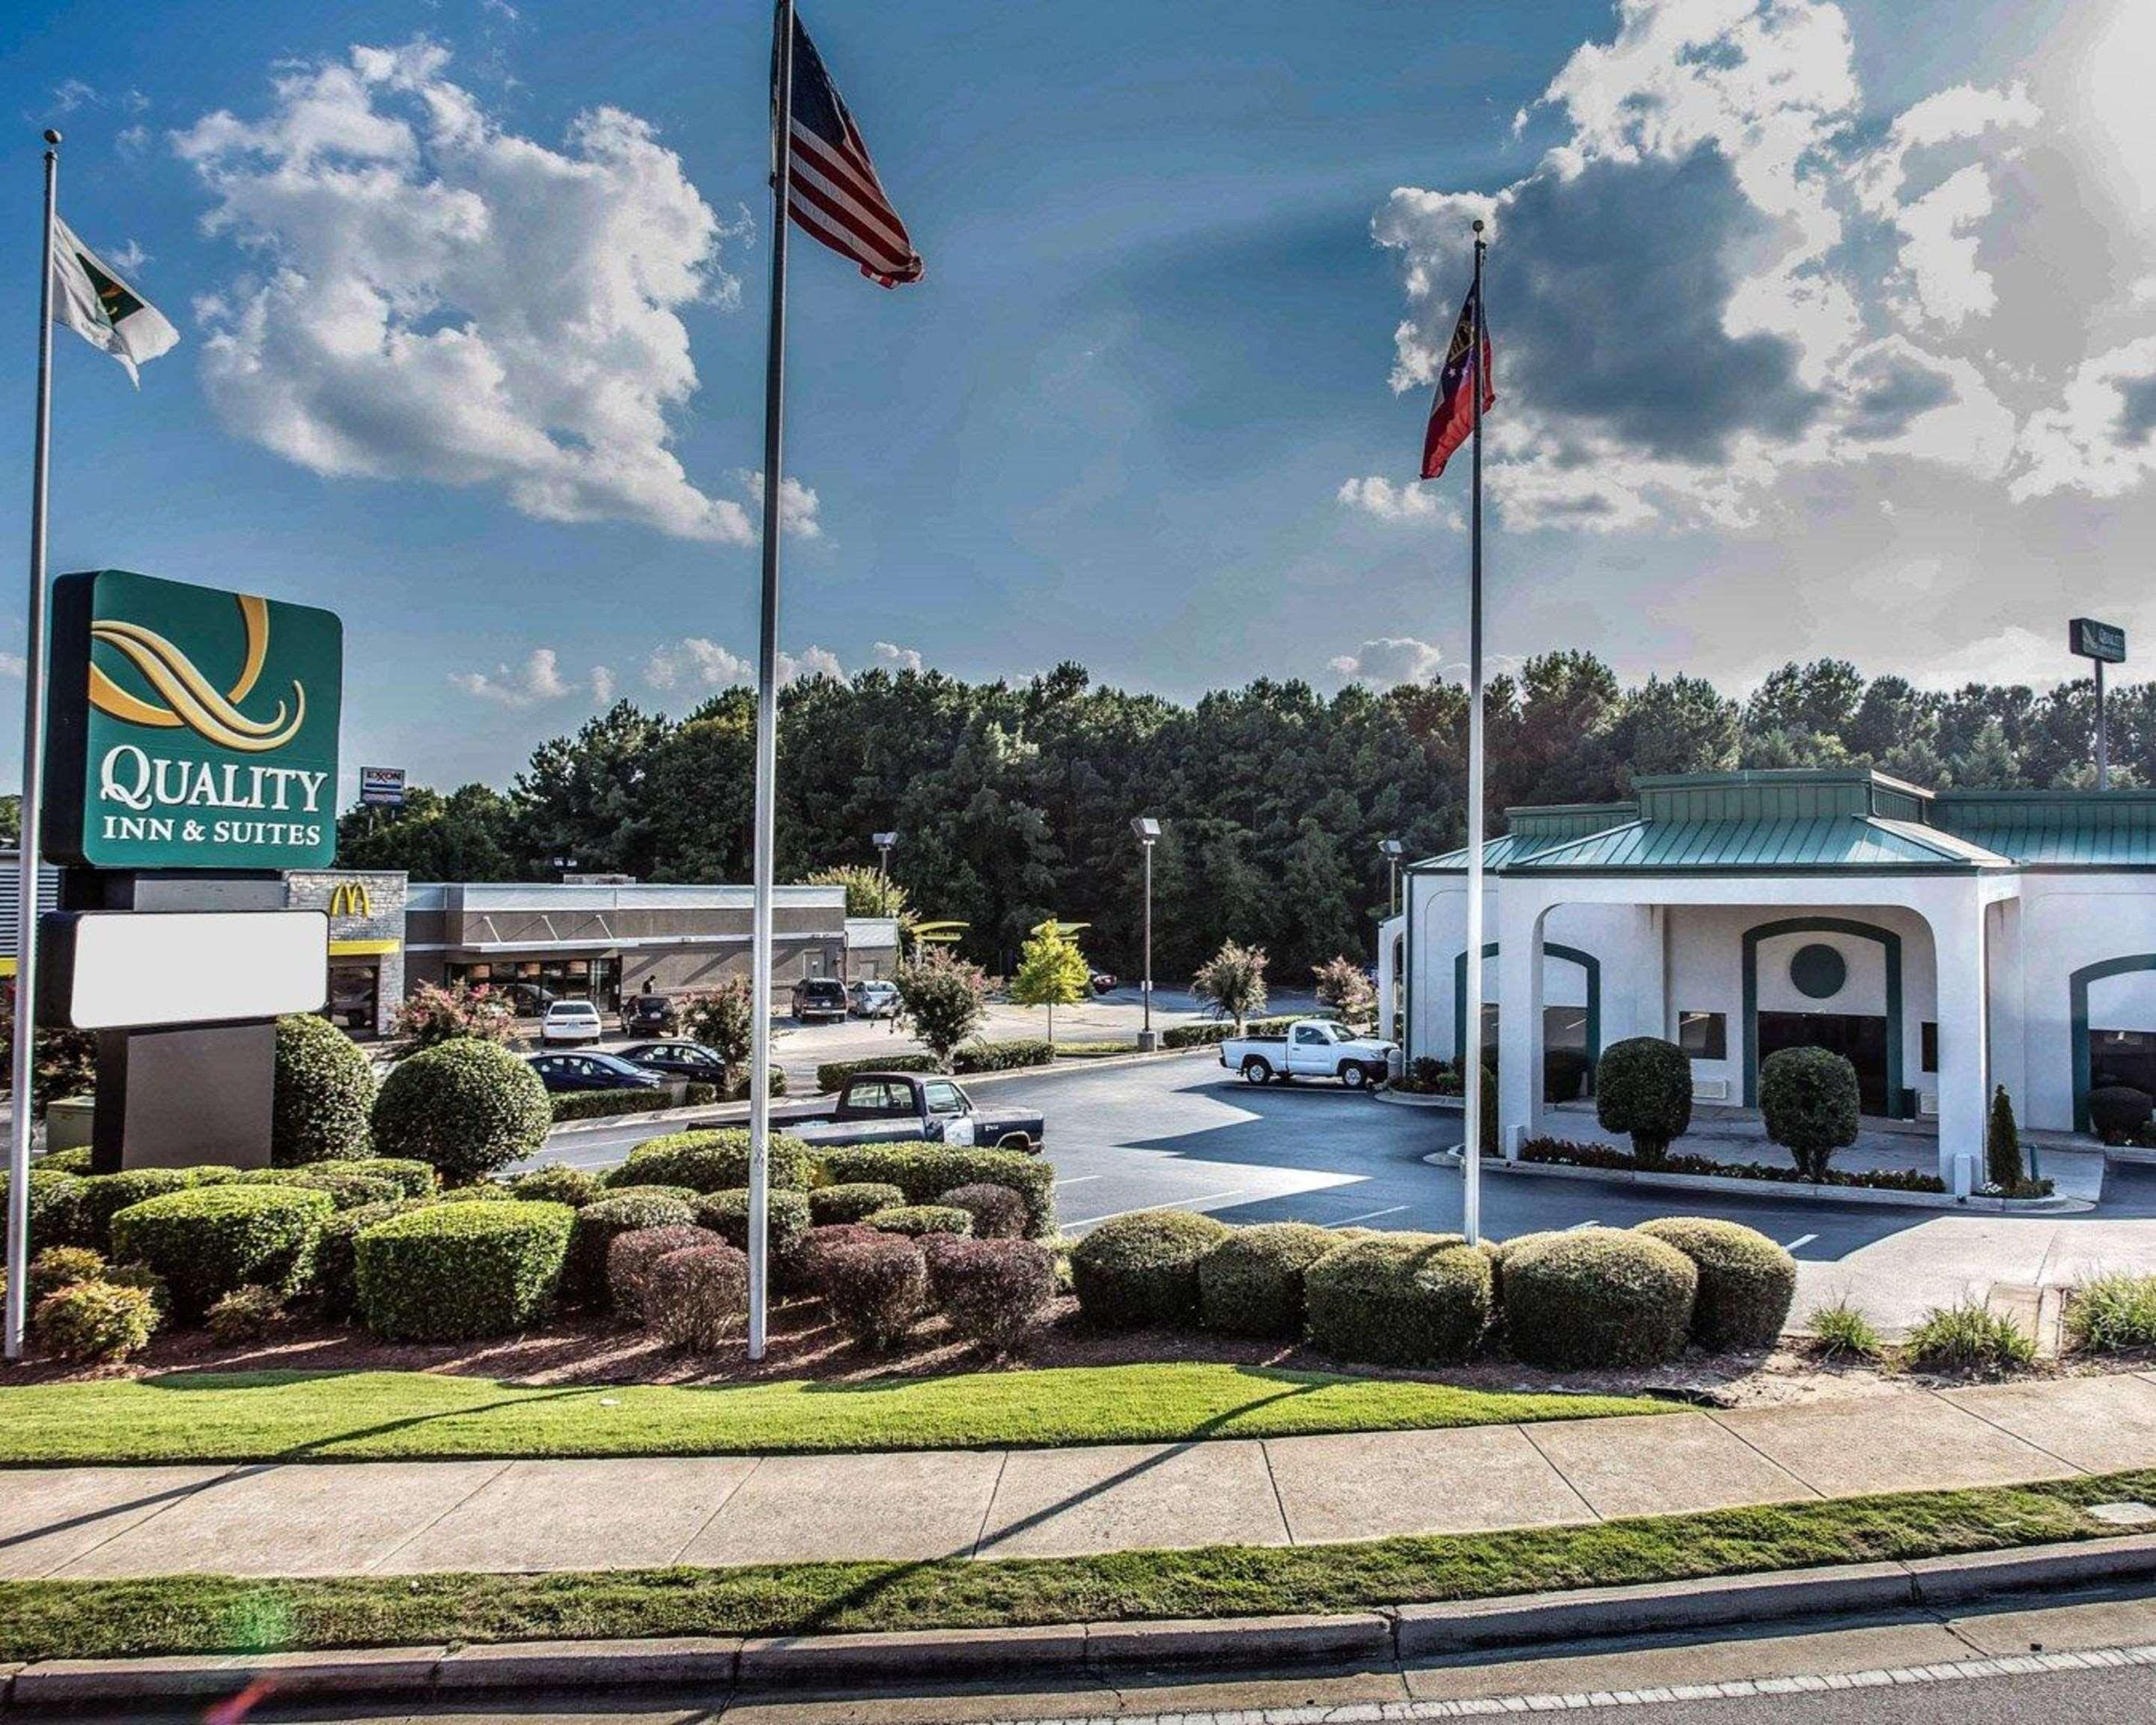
(191,727)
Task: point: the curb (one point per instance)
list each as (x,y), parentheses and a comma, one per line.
(1404,1632)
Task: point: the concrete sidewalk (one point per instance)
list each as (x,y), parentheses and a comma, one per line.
(409,1517)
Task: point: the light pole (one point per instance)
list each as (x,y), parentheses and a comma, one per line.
(884,841)
(1147,831)
(1392,850)
(2101,643)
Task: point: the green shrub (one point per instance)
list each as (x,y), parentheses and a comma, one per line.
(913,1220)
(208,1240)
(1745,1282)
(630,1257)
(831,1077)
(98,1322)
(1843,1330)
(324,1094)
(2113,1312)
(59,1213)
(62,1266)
(874,1286)
(1564,1074)
(1808,1097)
(1400,1299)
(2118,1110)
(2002,1143)
(77,1159)
(697,1298)
(713,1161)
(598,1104)
(1250,1283)
(1598,1297)
(854,1202)
(1643,1086)
(559,1183)
(465,1106)
(686,1194)
(786,1220)
(246,1314)
(347,1191)
(1003,1056)
(596,1227)
(1143,1268)
(103,1196)
(1970,1337)
(413,1180)
(924,1173)
(336,1252)
(485,1192)
(1502,1254)
(991,1290)
(448,1272)
(1206,1035)
(998,1212)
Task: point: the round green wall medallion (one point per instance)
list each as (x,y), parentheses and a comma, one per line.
(1817,971)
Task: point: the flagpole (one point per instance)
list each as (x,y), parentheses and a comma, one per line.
(1470,1149)
(34,764)
(767,690)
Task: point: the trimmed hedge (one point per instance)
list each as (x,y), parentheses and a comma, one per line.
(853,1202)
(324,1094)
(1643,1087)
(1142,1269)
(1400,1300)
(1250,1284)
(76,1159)
(103,1196)
(59,1216)
(874,1286)
(598,1104)
(992,1291)
(465,1106)
(1809,1098)
(631,1257)
(559,1183)
(449,1272)
(413,1180)
(913,1220)
(1004,1056)
(687,1195)
(1598,1297)
(832,1076)
(336,1252)
(347,1191)
(592,1233)
(208,1241)
(786,1220)
(1212,1031)
(998,1212)
(712,1161)
(924,1173)
(1747,1282)
(697,1298)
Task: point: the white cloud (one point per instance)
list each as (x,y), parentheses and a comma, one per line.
(130,257)
(905,659)
(2100,436)
(1405,502)
(429,296)
(73,94)
(797,505)
(813,662)
(538,679)
(697,662)
(2016,654)
(1391,661)
(14,665)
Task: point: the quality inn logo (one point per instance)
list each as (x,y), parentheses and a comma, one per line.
(190,698)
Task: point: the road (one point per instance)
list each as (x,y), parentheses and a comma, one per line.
(1182,1132)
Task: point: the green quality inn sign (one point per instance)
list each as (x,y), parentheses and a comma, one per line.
(190,728)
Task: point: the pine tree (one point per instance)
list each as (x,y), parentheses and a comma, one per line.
(2002,1144)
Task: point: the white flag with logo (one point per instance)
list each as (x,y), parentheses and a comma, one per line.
(91,300)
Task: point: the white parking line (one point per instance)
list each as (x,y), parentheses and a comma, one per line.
(1802,1239)
(1591,1222)
(1078,1179)
(1350,1221)
(1180,1204)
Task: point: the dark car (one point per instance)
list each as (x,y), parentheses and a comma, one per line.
(820,996)
(678,1059)
(649,1015)
(528,999)
(589,1070)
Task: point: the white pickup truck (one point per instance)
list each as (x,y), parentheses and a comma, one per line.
(1312,1048)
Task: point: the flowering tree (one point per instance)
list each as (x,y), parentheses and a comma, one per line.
(1342,986)
(1234,980)
(433,1014)
(944,998)
(724,1020)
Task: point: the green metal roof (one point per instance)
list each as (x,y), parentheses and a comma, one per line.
(2093,829)
(1495,853)
(1764,846)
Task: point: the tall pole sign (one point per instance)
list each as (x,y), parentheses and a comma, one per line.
(2101,643)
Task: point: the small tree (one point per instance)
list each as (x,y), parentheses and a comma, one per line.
(1810,1098)
(65,1061)
(1051,971)
(724,1020)
(1234,980)
(868,891)
(943,998)
(2002,1143)
(1643,1086)
(432,1014)
(1342,986)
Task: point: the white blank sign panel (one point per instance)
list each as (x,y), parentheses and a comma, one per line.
(133,969)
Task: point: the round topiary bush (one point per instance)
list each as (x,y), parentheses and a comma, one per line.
(1400,1299)
(76,1159)
(466,1107)
(856,1201)
(336,1277)
(786,1219)
(1747,1282)
(448,1272)
(1643,1086)
(207,1241)
(1598,1297)
(712,1161)
(630,1257)
(874,1286)
(998,1212)
(1502,1254)
(913,1220)
(1250,1284)
(2118,1110)
(559,1183)
(58,1214)
(596,1227)
(991,1290)
(698,1298)
(1142,1269)
(324,1095)
(1809,1098)
(99,1321)
(413,1180)
(346,1190)
(103,1196)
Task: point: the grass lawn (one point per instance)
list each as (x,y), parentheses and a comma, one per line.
(428,1416)
(57,1620)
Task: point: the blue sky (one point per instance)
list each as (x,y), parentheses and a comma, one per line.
(1820,329)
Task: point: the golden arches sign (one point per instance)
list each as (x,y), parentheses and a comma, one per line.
(190,698)
(351,898)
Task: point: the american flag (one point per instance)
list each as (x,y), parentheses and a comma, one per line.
(832,189)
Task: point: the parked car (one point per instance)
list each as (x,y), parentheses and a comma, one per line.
(527,999)
(1104,982)
(820,996)
(563,1073)
(874,998)
(571,1021)
(1312,1048)
(649,1015)
(678,1059)
(915,1108)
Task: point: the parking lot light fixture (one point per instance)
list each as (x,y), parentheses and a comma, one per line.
(1393,850)
(1148,831)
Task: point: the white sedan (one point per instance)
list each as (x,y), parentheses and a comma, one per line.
(568,1022)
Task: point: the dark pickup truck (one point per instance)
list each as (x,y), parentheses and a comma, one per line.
(913,1108)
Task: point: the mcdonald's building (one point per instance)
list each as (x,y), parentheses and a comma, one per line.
(365,910)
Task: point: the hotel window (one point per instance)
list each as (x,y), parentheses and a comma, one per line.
(1703,1035)
(1929,1036)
